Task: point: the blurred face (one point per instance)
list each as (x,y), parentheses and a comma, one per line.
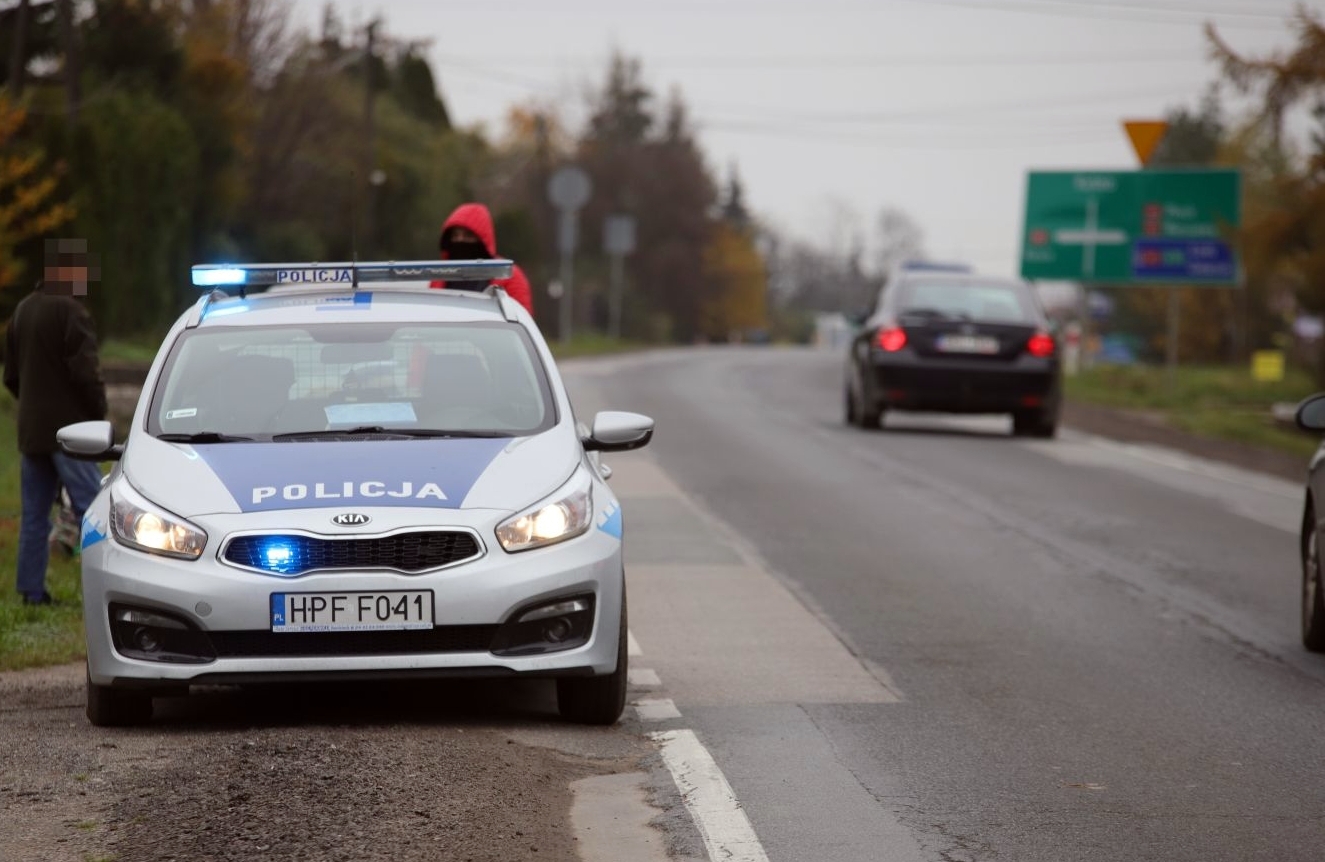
(463,244)
(66,278)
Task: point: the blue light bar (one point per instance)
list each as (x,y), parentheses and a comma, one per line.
(347,274)
(218,276)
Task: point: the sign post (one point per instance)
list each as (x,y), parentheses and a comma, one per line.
(568,188)
(618,241)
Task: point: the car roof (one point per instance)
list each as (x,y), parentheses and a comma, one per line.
(964,279)
(384,302)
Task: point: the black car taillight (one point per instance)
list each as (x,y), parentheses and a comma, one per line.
(1041,345)
(891,338)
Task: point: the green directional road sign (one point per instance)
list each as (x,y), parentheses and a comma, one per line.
(1132,227)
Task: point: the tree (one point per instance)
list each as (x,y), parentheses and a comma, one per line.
(655,171)
(29,196)
(735,304)
(1195,137)
(897,238)
(1283,236)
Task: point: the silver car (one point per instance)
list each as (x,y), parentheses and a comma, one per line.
(353,476)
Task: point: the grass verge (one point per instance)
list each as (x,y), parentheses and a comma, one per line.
(41,635)
(1219,402)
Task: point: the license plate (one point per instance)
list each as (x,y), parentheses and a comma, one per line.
(351,612)
(967,344)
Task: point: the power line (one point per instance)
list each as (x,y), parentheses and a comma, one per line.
(1149,12)
(961,111)
(712,63)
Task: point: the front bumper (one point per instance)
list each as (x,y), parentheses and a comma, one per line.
(230,608)
(907,381)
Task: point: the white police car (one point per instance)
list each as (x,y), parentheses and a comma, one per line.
(328,481)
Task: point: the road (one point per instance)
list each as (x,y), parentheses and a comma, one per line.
(939,642)
(929,643)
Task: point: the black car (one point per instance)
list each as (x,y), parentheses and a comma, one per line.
(1311,417)
(955,342)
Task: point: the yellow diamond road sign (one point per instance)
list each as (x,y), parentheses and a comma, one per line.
(1145,135)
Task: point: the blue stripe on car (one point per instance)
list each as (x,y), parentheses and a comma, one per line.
(429,473)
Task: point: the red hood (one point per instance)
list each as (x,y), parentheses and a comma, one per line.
(474,217)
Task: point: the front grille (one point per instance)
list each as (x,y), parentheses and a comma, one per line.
(266,644)
(291,555)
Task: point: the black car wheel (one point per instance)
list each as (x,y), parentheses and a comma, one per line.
(1313,596)
(1035,423)
(117,707)
(850,406)
(598,699)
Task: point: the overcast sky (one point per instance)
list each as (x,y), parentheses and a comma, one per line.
(833,109)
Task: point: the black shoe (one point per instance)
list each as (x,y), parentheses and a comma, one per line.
(43,599)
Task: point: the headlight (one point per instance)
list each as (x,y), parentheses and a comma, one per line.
(567,516)
(138,524)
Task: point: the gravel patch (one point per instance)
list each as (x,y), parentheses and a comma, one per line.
(404,772)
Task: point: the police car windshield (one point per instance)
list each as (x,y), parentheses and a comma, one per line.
(353,380)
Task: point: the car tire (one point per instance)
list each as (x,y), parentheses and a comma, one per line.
(849,413)
(1035,423)
(1313,589)
(868,414)
(117,707)
(598,699)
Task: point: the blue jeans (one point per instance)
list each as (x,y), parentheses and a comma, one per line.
(39,481)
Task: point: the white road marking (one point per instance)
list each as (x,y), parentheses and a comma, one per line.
(1259,497)
(1201,467)
(722,822)
(632,645)
(643,677)
(656,709)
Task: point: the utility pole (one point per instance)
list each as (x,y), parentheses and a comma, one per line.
(69,38)
(18,61)
(369,134)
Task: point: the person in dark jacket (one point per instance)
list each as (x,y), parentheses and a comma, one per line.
(52,369)
(468,234)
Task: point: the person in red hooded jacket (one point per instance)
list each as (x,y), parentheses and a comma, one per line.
(468,234)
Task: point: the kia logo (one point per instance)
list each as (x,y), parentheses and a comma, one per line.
(350,519)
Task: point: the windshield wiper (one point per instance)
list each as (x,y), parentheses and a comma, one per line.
(337,432)
(435,432)
(389,432)
(205,437)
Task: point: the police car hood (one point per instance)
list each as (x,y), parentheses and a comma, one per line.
(502,473)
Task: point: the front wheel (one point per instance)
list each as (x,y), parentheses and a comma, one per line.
(116,707)
(1313,596)
(598,699)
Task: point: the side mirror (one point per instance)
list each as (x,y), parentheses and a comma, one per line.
(615,431)
(89,441)
(1311,413)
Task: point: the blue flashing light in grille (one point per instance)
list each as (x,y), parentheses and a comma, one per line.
(288,556)
(277,555)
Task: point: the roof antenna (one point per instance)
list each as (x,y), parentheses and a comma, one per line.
(354,231)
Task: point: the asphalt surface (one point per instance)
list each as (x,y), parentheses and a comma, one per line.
(1062,650)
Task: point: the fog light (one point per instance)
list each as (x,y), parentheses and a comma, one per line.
(158,635)
(559,624)
(146,641)
(556,631)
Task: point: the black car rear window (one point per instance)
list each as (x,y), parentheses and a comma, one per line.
(986,301)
